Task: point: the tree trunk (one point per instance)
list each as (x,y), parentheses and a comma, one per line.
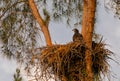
(89,7)
(40,21)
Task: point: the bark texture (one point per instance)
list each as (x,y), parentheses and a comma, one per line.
(41,22)
(89,7)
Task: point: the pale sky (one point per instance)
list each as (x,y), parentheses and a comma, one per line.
(106,25)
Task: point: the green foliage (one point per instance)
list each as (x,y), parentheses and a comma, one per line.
(17,76)
(47,17)
(18,28)
(114,5)
(66,10)
(18,31)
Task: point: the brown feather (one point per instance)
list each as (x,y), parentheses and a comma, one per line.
(77,36)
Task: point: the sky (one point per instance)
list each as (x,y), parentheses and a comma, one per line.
(106,25)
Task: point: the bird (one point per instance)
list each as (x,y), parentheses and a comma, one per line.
(77,36)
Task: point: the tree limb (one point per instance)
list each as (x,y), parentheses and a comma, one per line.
(41,22)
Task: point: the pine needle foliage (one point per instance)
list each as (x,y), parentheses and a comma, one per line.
(18,28)
(114,6)
(17,76)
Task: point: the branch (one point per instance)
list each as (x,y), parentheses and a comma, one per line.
(41,22)
(35,12)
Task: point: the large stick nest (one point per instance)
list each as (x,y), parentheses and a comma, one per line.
(67,62)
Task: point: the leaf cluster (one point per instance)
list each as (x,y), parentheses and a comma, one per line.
(17,76)
(114,5)
(18,28)
(63,9)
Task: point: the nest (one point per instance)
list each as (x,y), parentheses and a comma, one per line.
(67,62)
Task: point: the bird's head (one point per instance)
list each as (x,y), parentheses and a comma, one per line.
(75,30)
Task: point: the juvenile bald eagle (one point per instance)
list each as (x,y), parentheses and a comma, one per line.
(77,36)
